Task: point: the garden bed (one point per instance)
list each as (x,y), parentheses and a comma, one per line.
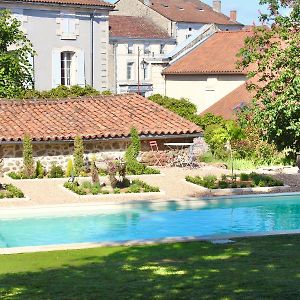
(242,181)
(88,188)
(9,191)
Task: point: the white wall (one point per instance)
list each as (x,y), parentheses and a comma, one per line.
(121,57)
(185,29)
(42,24)
(202,90)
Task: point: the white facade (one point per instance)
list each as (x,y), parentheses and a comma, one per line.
(136,65)
(202,90)
(71,43)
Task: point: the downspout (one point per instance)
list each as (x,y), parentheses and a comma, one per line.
(92,47)
(115,45)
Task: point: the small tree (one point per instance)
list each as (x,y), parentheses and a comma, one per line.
(15,50)
(273,54)
(28,162)
(78,156)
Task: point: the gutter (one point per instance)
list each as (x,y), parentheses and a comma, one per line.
(83,6)
(118,139)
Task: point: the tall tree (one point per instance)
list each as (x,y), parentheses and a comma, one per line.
(15,50)
(273,55)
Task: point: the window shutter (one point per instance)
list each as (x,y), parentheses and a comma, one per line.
(56,68)
(80,68)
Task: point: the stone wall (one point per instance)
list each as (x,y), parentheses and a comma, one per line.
(60,153)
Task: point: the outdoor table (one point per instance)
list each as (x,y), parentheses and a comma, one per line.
(181,158)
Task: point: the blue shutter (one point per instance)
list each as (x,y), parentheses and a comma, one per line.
(56,71)
(81,68)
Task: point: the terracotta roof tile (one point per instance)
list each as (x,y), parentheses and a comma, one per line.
(91,118)
(217,55)
(226,107)
(71,2)
(190,11)
(135,27)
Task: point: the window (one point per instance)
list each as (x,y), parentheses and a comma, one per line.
(67,66)
(130,70)
(162,49)
(147,49)
(146,71)
(130,48)
(68,24)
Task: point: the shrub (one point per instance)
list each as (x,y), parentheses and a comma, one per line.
(39,170)
(15,175)
(28,162)
(56,172)
(94,172)
(244,177)
(223,184)
(70,168)
(13,192)
(78,156)
(61,92)
(209,181)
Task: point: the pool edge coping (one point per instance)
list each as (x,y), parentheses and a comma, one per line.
(146,242)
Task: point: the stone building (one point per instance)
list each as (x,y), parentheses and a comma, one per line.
(103,122)
(70,38)
(136,52)
(209,72)
(180,18)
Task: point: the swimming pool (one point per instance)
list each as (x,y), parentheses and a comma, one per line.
(140,221)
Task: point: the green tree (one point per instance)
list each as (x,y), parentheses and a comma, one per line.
(28,162)
(15,50)
(273,55)
(78,156)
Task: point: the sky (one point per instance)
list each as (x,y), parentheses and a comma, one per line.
(248,10)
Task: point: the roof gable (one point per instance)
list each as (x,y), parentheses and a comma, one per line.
(216,55)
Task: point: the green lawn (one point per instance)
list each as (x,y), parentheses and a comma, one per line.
(256,268)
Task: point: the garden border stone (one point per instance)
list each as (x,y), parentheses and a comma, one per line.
(220,192)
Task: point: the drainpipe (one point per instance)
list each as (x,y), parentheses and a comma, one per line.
(115,46)
(92,47)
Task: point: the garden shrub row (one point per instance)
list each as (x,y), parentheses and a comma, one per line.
(89,188)
(241,181)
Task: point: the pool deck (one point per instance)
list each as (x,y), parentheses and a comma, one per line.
(171,183)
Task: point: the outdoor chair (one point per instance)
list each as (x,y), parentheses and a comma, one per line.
(156,154)
(192,158)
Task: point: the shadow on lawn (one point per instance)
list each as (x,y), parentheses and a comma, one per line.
(249,269)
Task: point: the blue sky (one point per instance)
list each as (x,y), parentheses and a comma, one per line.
(247,9)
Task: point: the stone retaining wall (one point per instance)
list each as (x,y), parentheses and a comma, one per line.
(60,153)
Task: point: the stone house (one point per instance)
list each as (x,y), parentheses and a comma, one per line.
(103,122)
(180,18)
(70,38)
(209,72)
(136,51)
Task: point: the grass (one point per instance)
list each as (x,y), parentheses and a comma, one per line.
(256,268)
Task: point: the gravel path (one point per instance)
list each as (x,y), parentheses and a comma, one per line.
(171,181)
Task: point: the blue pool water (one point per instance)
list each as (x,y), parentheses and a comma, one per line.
(145,221)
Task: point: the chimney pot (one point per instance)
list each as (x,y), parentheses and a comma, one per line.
(233,15)
(217,6)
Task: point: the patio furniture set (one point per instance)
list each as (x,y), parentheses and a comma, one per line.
(178,155)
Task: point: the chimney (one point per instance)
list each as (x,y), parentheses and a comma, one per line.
(233,15)
(217,6)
